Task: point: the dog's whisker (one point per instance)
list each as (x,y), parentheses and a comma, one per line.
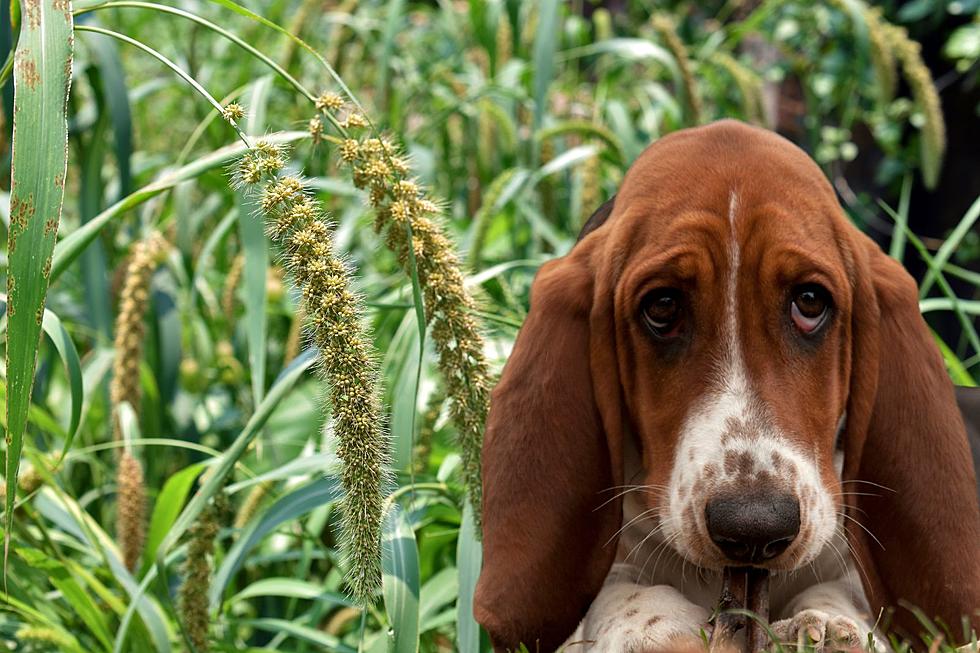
(866,530)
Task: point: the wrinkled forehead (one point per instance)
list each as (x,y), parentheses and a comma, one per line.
(726,177)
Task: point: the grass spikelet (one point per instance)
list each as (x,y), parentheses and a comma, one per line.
(423,443)
(45,636)
(130,509)
(590,186)
(403,211)
(664,26)
(882,57)
(504,40)
(232,280)
(933,127)
(296,223)
(196,574)
(125,386)
(483,217)
(748,82)
(252,503)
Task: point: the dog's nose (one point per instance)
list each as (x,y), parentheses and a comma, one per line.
(754,528)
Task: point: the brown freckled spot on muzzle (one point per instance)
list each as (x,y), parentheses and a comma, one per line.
(738,463)
(690,455)
(630,613)
(778,461)
(653,621)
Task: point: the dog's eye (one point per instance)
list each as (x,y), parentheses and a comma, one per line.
(811,303)
(662,311)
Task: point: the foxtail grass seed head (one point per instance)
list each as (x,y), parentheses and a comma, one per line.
(750,85)
(196,573)
(250,506)
(329,101)
(233,113)
(298,226)
(665,28)
(130,509)
(931,124)
(50,638)
(882,57)
(401,205)
(125,385)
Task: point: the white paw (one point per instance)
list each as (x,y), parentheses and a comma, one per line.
(821,631)
(628,618)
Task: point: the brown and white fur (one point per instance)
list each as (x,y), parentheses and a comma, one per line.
(607,445)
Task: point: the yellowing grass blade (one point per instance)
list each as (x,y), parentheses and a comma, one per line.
(42,77)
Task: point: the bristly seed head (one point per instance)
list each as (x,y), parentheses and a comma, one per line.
(329,101)
(233,113)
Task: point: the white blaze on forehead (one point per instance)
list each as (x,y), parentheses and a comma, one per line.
(730,406)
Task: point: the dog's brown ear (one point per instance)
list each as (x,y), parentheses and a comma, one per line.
(907,458)
(551,459)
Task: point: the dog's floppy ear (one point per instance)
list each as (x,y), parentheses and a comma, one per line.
(906,446)
(551,457)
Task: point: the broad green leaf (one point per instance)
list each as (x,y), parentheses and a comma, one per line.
(305,633)
(167,506)
(400,580)
(42,79)
(291,588)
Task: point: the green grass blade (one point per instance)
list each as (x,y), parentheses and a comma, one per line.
(400,581)
(287,379)
(73,370)
(42,78)
(167,507)
(116,95)
(946,250)
(295,504)
(469,554)
(177,70)
(255,246)
(545,46)
(70,247)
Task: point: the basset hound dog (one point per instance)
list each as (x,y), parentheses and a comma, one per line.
(723,371)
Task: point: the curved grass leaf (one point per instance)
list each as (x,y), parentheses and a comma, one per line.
(295,504)
(42,79)
(400,580)
(71,246)
(469,555)
(255,247)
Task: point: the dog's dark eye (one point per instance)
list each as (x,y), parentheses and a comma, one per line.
(662,312)
(811,303)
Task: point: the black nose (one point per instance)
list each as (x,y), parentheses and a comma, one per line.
(753,528)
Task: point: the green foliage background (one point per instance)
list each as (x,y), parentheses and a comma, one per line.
(521,116)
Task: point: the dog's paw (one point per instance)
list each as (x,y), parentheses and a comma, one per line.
(629,618)
(821,631)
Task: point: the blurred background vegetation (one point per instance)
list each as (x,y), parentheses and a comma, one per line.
(522,117)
